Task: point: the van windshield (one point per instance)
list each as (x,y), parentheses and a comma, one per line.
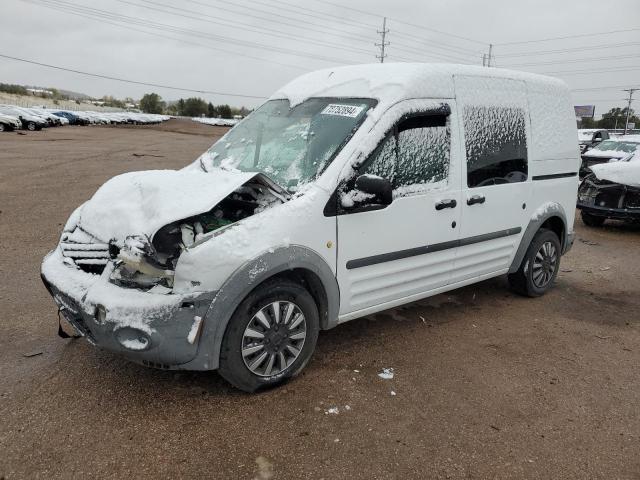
(292,146)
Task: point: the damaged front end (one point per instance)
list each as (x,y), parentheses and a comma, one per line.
(149,263)
(602,198)
(119,292)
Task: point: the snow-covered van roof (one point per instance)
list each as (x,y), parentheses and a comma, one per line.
(391,82)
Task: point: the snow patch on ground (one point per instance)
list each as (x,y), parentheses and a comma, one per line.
(386,374)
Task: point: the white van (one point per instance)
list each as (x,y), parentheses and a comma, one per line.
(351,190)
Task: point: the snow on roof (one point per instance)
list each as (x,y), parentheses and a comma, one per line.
(625,173)
(392,82)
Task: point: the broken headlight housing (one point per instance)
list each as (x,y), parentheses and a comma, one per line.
(138,265)
(145,263)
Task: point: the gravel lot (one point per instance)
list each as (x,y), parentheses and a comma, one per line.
(487,384)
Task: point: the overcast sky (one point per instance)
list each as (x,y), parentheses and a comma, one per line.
(252,47)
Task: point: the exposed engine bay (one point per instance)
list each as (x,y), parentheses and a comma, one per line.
(143,262)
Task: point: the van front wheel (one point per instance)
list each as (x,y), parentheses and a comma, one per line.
(539,266)
(270,337)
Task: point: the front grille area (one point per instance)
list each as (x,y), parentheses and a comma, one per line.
(86,252)
(633,199)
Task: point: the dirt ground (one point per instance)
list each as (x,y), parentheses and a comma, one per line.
(487,384)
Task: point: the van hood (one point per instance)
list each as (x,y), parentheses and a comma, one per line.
(140,203)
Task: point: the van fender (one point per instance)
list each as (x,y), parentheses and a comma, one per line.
(541,215)
(244,280)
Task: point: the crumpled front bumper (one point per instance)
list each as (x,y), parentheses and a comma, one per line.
(155,329)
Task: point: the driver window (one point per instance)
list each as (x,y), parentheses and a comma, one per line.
(496,145)
(414,156)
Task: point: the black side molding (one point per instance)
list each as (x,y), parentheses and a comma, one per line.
(554,175)
(436,247)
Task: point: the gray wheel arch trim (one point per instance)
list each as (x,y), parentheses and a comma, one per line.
(540,216)
(244,280)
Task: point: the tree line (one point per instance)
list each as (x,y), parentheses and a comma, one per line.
(189,107)
(614,118)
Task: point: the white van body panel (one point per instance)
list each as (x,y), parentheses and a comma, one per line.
(409,222)
(359,261)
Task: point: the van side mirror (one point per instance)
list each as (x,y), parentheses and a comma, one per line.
(379,187)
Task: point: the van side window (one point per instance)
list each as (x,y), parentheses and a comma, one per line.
(496,145)
(415,153)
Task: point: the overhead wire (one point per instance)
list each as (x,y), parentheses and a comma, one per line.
(246,27)
(70,6)
(118,79)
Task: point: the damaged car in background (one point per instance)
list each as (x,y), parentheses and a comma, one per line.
(611,191)
(339,197)
(612,150)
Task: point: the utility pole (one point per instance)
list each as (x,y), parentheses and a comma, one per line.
(384,43)
(630,90)
(489,56)
(484,59)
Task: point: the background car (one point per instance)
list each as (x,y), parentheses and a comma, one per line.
(608,150)
(589,138)
(29,121)
(611,191)
(9,123)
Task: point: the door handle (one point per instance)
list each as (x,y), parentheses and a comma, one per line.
(442,204)
(475,199)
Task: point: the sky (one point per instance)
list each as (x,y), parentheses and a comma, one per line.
(245,49)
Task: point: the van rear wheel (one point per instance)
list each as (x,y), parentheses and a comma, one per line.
(270,337)
(539,266)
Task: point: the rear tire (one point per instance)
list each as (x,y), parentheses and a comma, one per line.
(270,337)
(591,220)
(539,266)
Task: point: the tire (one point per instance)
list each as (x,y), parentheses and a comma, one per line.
(3,127)
(591,220)
(31,126)
(240,352)
(539,266)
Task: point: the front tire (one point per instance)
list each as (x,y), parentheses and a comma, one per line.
(591,220)
(31,126)
(539,266)
(270,337)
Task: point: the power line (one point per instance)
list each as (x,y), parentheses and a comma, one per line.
(64,6)
(430,42)
(247,27)
(580,72)
(614,87)
(422,27)
(579,60)
(299,24)
(582,35)
(569,50)
(117,79)
(168,37)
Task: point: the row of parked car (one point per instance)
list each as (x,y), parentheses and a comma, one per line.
(16,118)
(610,174)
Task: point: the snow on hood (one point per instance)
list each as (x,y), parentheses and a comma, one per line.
(625,173)
(143,202)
